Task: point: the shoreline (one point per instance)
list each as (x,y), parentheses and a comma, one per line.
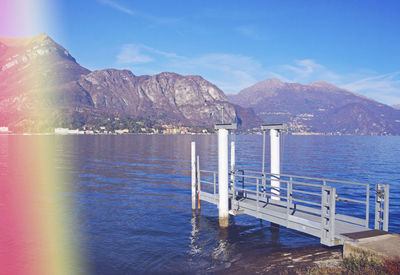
(286,261)
(177,134)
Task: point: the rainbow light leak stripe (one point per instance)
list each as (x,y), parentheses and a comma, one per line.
(37,231)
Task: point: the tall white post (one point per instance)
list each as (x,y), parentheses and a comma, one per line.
(263,155)
(223,206)
(233,159)
(275,163)
(193,175)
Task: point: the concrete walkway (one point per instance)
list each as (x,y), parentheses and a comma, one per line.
(380,244)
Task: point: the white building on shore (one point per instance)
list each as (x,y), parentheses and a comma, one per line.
(4,130)
(66,131)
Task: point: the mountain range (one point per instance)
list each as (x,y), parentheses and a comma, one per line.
(42,86)
(38,76)
(318,107)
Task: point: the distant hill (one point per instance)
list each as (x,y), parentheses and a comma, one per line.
(318,107)
(42,86)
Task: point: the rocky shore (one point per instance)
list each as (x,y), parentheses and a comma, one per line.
(288,261)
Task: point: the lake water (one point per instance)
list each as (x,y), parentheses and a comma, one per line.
(131,197)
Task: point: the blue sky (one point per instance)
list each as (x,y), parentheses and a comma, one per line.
(234,44)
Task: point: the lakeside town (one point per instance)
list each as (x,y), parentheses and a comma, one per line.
(103,130)
(164,129)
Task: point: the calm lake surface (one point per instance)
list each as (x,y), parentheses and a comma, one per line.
(131,198)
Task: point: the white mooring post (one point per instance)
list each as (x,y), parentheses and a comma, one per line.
(275,163)
(223,187)
(232,160)
(275,136)
(223,177)
(193,160)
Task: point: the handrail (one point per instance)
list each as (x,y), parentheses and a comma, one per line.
(307,184)
(208,171)
(307,202)
(268,193)
(293,188)
(207,182)
(304,184)
(350,200)
(280,180)
(307,193)
(266,185)
(310,178)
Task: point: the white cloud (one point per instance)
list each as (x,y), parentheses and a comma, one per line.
(131,54)
(116,6)
(307,70)
(384,88)
(158,52)
(138,53)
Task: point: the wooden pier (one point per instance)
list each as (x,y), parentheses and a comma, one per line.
(315,206)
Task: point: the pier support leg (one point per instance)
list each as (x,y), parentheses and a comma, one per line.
(275,163)
(223,206)
(274,229)
(193,162)
(198,183)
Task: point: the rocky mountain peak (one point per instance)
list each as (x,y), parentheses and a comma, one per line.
(266,84)
(167,75)
(23,42)
(109,74)
(322,84)
(35,61)
(42,37)
(33,47)
(272,81)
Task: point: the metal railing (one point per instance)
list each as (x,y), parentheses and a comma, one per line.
(316,198)
(310,189)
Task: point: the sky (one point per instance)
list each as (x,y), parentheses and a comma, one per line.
(234,44)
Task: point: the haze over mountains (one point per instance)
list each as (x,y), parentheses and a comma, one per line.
(42,87)
(396,106)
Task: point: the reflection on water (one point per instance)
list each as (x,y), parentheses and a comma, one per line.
(194,247)
(131,197)
(274,229)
